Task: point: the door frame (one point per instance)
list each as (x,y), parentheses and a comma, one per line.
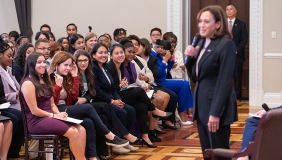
(178,22)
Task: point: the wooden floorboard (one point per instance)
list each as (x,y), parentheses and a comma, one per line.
(184,143)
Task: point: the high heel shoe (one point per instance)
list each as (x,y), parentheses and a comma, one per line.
(137,141)
(160,132)
(181,122)
(168,114)
(148,145)
(168,126)
(100,158)
(153,136)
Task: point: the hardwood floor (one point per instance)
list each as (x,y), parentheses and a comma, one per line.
(184,143)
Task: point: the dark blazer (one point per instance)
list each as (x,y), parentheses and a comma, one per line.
(114,73)
(153,66)
(214,94)
(2,93)
(18,71)
(105,91)
(240,37)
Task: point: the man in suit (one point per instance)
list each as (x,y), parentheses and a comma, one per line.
(240,38)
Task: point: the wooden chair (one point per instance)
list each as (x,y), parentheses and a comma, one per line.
(59,142)
(267,142)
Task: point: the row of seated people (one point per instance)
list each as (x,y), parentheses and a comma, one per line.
(63,98)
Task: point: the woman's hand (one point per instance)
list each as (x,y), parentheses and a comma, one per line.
(59,80)
(182,68)
(81,100)
(74,70)
(191,51)
(260,113)
(118,103)
(167,56)
(123,83)
(213,123)
(143,77)
(61,115)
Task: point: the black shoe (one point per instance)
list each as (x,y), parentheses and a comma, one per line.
(148,145)
(117,142)
(137,141)
(160,132)
(168,114)
(153,136)
(169,127)
(100,158)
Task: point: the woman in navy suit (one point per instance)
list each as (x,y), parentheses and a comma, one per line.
(211,66)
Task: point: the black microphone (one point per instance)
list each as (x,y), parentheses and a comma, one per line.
(265,107)
(90,28)
(196,40)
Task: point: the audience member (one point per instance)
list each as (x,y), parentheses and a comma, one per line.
(119,34)
(14,35)
(5,35)
(71,29)
(51,36)
(55,47)
(21,40)
(19,61)
(42,35)
(41,111)
(90,40)
(65,42)
(10,43)
(45,27)
(76,41)
(86,93)
(43,46)
(65,81)
(180,87)
(6,127)
(110,38)
(155,34)
(105,40)
(11,90)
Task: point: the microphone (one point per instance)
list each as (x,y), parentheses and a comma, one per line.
(196,40)
(265,107)
(90,28)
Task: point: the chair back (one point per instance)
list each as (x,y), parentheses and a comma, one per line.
(268,138)
(21,98)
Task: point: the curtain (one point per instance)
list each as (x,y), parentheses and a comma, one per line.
(23,8)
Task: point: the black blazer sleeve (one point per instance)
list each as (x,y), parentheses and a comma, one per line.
(153,66)
(18,72)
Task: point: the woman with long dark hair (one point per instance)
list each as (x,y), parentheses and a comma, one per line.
(76,42)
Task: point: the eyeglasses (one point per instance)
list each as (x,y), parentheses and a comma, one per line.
(83,60)
(43,48)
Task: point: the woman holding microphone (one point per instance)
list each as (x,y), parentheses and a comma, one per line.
(210,66)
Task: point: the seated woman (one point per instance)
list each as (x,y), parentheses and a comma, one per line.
(86,94)
(40,108)
(180,87)
(90,40)
(19,61)
(64,41)
(65,82)
(76,42)
(124,73)
(11,90)
(250,130)
(6,127)
(141,64)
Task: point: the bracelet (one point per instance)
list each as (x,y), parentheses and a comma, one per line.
(51,115)
(112,101)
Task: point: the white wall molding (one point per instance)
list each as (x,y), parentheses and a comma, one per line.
(273,55)
(174,20)
(256,63)
(272,99)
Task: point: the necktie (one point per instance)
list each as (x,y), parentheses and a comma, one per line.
(230,26)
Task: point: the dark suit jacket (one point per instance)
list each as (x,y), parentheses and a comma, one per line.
(18,72)
(2,93)
(153,66)
(105,91)
(214,94)
(240,37)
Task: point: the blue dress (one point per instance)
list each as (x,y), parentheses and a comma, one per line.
(179,86)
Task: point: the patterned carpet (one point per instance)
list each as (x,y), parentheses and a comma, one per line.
(184,143)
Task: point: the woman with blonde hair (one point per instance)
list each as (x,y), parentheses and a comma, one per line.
(90,40)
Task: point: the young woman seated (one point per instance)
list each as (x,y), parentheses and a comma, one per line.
(124,73)
(65,81)
(41,111)
(86,94)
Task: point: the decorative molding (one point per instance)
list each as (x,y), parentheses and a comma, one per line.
(273,55)
(174,19)
(255,41)
(272,99)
